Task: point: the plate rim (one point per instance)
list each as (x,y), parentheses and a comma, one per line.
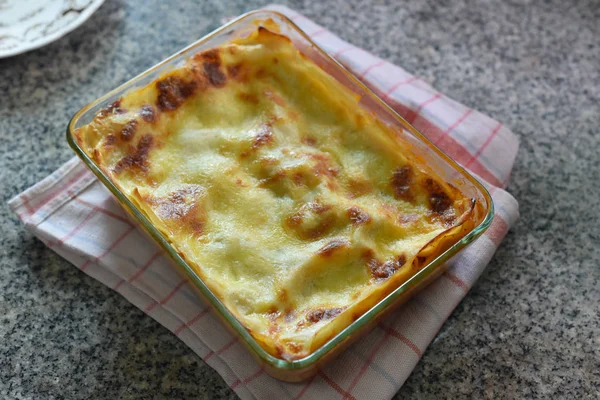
(93,5)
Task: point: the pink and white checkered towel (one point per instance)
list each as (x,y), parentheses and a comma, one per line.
(79,219)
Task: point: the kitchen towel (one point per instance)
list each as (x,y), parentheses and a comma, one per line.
(79,219)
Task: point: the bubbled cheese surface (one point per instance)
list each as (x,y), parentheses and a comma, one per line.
(293,204)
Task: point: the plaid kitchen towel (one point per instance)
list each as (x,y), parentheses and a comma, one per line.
(79,219)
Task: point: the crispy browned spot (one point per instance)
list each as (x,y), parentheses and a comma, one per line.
(114,108)
(211,63)
(110,140)
(211,55)
(214,74)
(275,60)
(298,178)
(233,70)
(323,165)
(370,259)
(384,270)
(239,72)
(147,113)
(273,180)
(139,159)
(358,187)
(309,140)
(401,260)
(174,206)
(325,221)
(263,137)
(331,247)
(172,92)
(128,130)
(438,199)
(248,97)
(295,219)
(401,183)
(321,229)
(197,226)
(275,98)
(449,219)
(301,176)
(357,215)
(318,315)
(183,207)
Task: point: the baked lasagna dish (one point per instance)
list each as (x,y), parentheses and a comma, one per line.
(298,208)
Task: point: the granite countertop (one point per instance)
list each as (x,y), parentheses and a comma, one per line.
(529,328)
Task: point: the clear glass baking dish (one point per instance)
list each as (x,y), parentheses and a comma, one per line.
(414,142)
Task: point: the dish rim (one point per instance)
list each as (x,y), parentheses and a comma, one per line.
(238,327)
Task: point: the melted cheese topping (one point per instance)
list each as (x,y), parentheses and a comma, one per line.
(297,208)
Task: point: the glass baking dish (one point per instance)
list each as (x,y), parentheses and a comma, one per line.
(415,144)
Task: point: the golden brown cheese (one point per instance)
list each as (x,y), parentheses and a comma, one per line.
(297,207)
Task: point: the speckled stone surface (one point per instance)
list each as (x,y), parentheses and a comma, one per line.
(530,327)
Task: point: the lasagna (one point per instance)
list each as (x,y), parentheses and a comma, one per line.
(298,208)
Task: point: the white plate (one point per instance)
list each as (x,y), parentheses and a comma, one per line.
(28,24)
